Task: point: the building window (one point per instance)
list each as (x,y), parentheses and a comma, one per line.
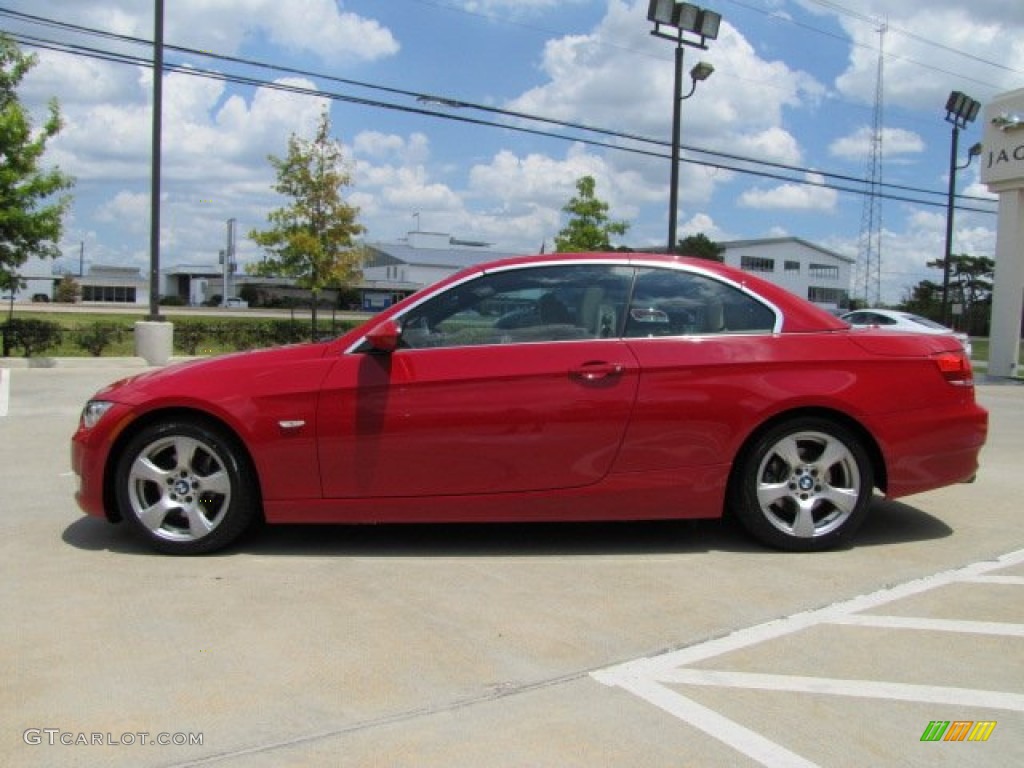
(824,270)
(793,266)
(757,264)
(121,294)
(820,295)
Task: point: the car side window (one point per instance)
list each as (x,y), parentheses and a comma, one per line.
(515,306)
(671,302)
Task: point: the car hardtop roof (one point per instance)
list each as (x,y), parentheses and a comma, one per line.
(800,315)
(585,256)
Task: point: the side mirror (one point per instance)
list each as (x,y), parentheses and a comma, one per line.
(384,336)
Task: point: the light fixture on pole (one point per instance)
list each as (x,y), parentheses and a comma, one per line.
(960,110)
(689,25)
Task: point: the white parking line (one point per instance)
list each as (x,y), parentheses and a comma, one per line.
(1000,628)
(866,689)
(648,678)
(5,390)
(1017,581)
(740,738)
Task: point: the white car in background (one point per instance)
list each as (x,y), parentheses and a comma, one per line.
(905,322)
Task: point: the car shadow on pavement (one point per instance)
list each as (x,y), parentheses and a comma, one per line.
(894,522)
(888,522)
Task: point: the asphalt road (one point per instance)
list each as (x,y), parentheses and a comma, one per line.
(667,644)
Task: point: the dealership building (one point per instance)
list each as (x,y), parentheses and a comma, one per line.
(395,270)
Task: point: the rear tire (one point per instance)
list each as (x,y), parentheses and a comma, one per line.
(804,485)
(185,488)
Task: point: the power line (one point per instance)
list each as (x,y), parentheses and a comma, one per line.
(142,61)
(873,23)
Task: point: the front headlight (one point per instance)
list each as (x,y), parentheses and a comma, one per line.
(93,412)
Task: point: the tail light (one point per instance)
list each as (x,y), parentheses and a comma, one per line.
(955,368)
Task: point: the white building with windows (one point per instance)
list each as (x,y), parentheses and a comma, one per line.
(810,271)
(395,270)
(114,285)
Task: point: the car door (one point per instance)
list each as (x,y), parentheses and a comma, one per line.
(513,381)
(700,343)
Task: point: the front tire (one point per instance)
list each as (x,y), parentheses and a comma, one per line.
(185,487)
(804,485)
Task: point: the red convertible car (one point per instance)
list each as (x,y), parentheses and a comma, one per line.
(561,387)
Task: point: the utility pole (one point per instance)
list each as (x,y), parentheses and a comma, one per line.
(154,194)
(229,262)
(154,337)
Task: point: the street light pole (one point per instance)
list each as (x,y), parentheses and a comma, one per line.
(701,71)
(682,18)
(677,119)
(960,110)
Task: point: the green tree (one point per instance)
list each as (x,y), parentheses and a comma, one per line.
(588,228)
(31,219)
(970,287)
(67,291)
(701,246)
(312,238)
(925,299)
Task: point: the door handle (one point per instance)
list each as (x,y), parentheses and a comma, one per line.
(596,371)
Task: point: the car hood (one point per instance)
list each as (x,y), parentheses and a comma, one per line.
(223,372)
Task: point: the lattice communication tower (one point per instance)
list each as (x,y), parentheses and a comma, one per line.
(868,272)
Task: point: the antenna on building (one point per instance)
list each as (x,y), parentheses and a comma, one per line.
(868,273)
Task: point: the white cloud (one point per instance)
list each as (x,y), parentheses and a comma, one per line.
(320,26)
(933,48)
(619,70)
(530,190)
(130,209)
(702,224)
(895,142)
(515,7)
(774,143)
(414,150)
(539,178)
(793,197)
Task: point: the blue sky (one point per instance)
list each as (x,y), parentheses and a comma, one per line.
(794,83)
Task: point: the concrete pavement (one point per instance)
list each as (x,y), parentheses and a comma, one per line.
(640,644)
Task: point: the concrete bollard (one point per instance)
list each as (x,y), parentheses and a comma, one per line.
(154,341)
